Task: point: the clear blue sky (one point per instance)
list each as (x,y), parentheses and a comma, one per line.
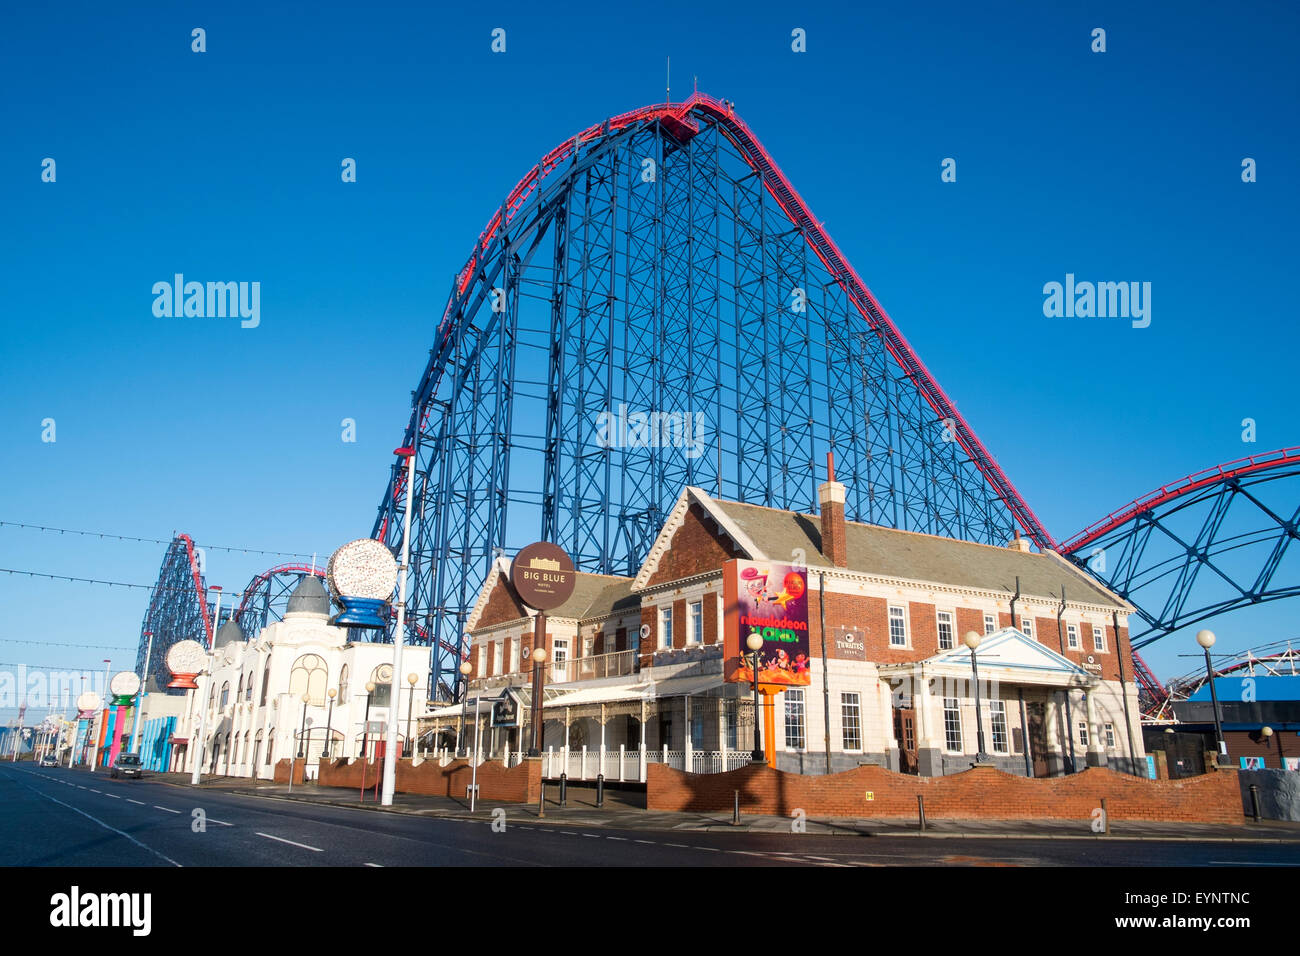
(225,165)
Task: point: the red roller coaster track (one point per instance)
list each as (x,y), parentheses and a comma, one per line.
(676,117)
(1175,489)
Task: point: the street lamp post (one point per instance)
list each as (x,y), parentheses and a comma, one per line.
(1267,734)
(411,679)
(972,640)
(466,668)
(329,724)
(365,727)
(755,644)
(139,697)
(203,710)
(539,679)
(94,753)
(1206,640)
(399,633)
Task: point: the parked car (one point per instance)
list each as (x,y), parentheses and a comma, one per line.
(49,760)
(127,765)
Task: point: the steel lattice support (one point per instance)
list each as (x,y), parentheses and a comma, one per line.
(178,610)
(1212,542)
(265,598)
(652,307)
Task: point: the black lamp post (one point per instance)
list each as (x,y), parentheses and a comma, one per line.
(329,725)
(539,658)
(303,732)
(365,727)
(972,640)
(466,668)
(411,679)
(755,644)
(1206,640)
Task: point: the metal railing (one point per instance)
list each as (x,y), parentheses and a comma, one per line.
(615,664)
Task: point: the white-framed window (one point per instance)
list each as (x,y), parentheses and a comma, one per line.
(990,623)
(946,633)
(498,656)
(1098,638)
(729,722)
(560,657)
(1072,636)
(951,725)
(588,647)
(998,724)
(695,622)
(697,730)
(665,627)
(1027,626)
(794,719)
(514,655)
(481,667)
(851,720)
(1110,736)
(308,676)
(1083,733)
(897,626)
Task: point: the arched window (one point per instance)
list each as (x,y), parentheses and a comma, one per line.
(343,685)
(266,682)
(383,678)
(225,694)
(309,676)
(239,694)
(212,695)
(248,688)
(270,745)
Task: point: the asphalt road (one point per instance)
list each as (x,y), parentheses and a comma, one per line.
(60,817)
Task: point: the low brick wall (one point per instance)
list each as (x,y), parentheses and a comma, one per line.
(282,771)
(521,784)
(978,793)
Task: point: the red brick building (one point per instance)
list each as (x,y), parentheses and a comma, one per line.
(636,670)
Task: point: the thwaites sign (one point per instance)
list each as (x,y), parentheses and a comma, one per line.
(770,600)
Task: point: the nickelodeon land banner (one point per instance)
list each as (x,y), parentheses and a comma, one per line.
(770,600)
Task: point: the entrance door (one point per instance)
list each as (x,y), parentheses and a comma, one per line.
(905,734)
(1036,711)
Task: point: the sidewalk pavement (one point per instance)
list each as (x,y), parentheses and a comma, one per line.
(621,812)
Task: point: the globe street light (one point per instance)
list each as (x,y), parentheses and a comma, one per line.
(538,658)
(972,640)
(329,724)
(365,727)
(411,679)
(755,644)
(1206,640)
(466,668)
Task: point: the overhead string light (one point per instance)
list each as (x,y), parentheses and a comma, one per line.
(126,537)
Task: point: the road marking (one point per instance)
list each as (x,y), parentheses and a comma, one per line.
(314,849)
(378,866)
(646,842)
(619,839)
(220,823)
(93,790)
(105,825)
(680,846)
(168,809)
(140,802)
(113,795)
(593,836)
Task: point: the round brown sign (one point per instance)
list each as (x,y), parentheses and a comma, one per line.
(543,576)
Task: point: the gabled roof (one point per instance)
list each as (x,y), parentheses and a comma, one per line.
(770,534)
(1003,655)
(594,595)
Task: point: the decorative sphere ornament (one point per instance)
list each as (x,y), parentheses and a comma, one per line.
(186,660)
(362,575)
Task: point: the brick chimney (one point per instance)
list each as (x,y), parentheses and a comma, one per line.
(1018,543)
(830,497)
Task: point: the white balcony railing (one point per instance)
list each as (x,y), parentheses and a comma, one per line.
(616,664)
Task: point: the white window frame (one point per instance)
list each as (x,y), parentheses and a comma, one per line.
(796,715)
(952,629)
(694,622)
(514,655)
(666,628)
(1099,639)
(481,669)
(1109,730)
(1027,626)
(1082,731)
(990,624)
(1072,637)
(850,716)
(902,616)
(998,709)
(948,730)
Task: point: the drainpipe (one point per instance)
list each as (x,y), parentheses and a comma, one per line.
(1128,721)
(1069,721)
